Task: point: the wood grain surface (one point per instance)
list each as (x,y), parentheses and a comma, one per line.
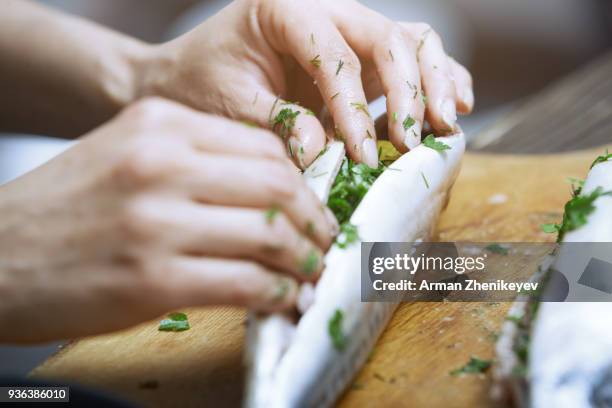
(411,363)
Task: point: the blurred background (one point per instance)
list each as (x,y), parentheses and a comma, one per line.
(513,49)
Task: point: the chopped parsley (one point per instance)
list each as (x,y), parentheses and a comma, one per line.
(431,142)
(497,249)
(348,234)
(309,266)
(334,95)
(361,106)
(271,214)
(394,116)
(424,98)
(600,159)
(408,122)
(474,366)
(284,121)
(174,322)
(425,180)
(576,184)
(575,213)
(414,88)
(334,328)
(340,65)
(316,61)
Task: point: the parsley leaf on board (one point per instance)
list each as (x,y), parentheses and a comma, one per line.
(174,322)
(474,366)
(334,328)
(431,142)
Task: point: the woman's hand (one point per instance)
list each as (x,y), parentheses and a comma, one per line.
(337,54)
(156,210)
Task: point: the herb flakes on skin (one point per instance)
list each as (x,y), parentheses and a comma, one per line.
(340,65)
(361,106)
(391,55)
(425,180)
(576,185)
(408,122)
(309,266)
(334,328)
(174,322)
(284,121)
(316,61)
(271,214)
(394,116)
(474,366)
(431,142)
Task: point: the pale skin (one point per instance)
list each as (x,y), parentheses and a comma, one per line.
(164,206)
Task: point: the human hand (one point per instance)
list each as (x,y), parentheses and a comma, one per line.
(156,210)
(337,54)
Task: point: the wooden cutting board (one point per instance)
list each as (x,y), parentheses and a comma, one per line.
(411,363)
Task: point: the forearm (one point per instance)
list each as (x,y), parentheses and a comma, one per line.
(61,75)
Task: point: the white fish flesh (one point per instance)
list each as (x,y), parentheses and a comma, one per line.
(294,363)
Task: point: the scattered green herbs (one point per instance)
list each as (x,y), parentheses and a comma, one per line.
(351,184)
(285,121)
(394,116)
(576,184)
(361,106)
(474,366)
(334,328)
(340,65)
(174,322)
(334,95)
(408,122)
(424,98)
(414,88)
(497,249)
(271,214)
(600,159)
(425,180)
(310,263)
(431,142)
(348,234)
(422,43)
(575,213)
(316,61)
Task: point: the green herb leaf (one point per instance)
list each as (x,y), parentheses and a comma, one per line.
(550,228)
(394,116)
(334,328)
(284,121)
(497,249)
(175,322)
(309,266)
(408,122)
(576,184)
(600,159)
(474,366)
(348,234)
(431,142)
(340,65)
(577,211)
(271,214)
(361,106)
(316,61)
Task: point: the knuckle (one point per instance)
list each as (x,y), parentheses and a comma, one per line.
(138,221)
(142,164)
(282,184)
(279,234)
(148,111)
(245,291)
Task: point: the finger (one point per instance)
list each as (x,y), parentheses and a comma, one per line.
(399,73)
(321,50)
(436,78)
(215,281)
(269,185)
(244,233)
(297,126)
(463,87)
(206,132)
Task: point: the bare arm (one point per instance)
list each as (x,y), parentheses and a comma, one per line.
(59,74)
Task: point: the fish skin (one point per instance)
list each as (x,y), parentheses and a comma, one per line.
(571,350)
(305,370)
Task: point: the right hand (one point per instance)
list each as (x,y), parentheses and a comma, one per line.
(156,210)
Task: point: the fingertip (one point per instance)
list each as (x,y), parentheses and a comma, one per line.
(283,295)
(370,152)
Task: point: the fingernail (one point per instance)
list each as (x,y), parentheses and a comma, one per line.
(369,153)
(468,96)
(331,219)
(449,113)
(412,136)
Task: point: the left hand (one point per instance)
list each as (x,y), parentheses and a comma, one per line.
(338,54)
